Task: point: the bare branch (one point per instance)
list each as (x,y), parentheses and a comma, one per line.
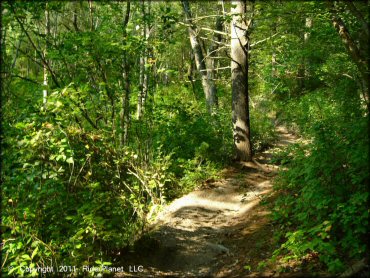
(34,46)
(215,31)
(261,41)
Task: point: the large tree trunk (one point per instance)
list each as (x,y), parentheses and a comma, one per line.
(239,79)
(207,81)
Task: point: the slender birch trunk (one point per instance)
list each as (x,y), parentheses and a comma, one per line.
(208,84)
(125,99)
(45,69)
(144,72)
(302,69)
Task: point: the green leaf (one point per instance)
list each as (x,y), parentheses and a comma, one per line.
(70,160)
(26,257)
(12,270)
(34,253)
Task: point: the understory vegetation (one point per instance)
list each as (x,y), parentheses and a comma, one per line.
(73,199)
(323,195)
(321,208)
(85,168)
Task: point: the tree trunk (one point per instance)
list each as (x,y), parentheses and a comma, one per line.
(144,73)
(190,73)
(91,15)
(207,82)
(3,59)
(356,54)
(302,71)
(74,19)
(212,53)
(239,79)
(45,69)
(274,72)
(125,99)
(125,113)
(143,87)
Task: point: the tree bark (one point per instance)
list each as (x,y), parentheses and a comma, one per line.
(208,84)
(125,99)
(91,15)
(144,73)
(274,72)
(302,70)
(45,69)
(212,53)
(239,78)
(190,73)
(74,19)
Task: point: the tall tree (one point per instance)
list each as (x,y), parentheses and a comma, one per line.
(125,99)
(45,69)
(239,77)
(205,73)
(212,53)
(144,72)
(302,69)
(358,52)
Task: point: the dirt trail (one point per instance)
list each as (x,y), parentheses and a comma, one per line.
(215,231)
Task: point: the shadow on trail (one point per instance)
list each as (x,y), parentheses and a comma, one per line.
(213,232)
(202,251)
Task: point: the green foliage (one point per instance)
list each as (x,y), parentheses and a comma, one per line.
(75,191)
(263,133)
(323,191)
(68,194)
(198,149)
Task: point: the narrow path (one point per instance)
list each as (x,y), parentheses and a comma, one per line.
(215,231)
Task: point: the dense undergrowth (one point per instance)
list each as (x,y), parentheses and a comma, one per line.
(323,194)
(82,174)
(71,197)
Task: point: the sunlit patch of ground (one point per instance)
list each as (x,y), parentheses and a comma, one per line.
(217,230)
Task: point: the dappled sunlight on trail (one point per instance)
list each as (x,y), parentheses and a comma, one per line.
(208,231)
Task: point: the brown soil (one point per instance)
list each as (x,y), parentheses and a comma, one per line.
(217,230)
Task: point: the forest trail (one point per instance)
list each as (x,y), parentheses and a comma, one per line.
(218,229)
